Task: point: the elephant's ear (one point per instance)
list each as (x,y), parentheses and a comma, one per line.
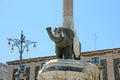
(70,33)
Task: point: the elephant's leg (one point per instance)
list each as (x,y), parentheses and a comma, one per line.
(68,52)
(59,52)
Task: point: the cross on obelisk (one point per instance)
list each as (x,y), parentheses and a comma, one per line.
(68,14)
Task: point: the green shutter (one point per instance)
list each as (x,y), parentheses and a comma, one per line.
(28,73)
(104,64)
(36,71)
(116,71)
(14,71)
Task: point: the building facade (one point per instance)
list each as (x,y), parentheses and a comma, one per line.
(3,71)
(108,61)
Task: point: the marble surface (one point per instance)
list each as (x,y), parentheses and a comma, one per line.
(68,69)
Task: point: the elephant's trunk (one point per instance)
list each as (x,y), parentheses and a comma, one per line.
(52,37)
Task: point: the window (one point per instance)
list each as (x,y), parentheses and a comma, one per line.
(22,68)
(95,60)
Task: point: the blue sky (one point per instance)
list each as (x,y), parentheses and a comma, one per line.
(100,17)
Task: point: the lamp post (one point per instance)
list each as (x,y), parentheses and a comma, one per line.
(21,44)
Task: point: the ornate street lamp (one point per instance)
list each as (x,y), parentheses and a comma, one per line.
(21,44)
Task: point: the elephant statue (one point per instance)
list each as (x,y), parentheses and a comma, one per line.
(63,38)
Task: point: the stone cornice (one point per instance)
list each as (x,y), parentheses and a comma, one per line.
(25,61)
(99,52)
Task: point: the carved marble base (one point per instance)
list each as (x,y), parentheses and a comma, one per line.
(68,69)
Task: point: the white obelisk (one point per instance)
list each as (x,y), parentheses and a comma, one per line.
(68,14)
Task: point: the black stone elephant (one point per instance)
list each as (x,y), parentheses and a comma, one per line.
(63,38)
